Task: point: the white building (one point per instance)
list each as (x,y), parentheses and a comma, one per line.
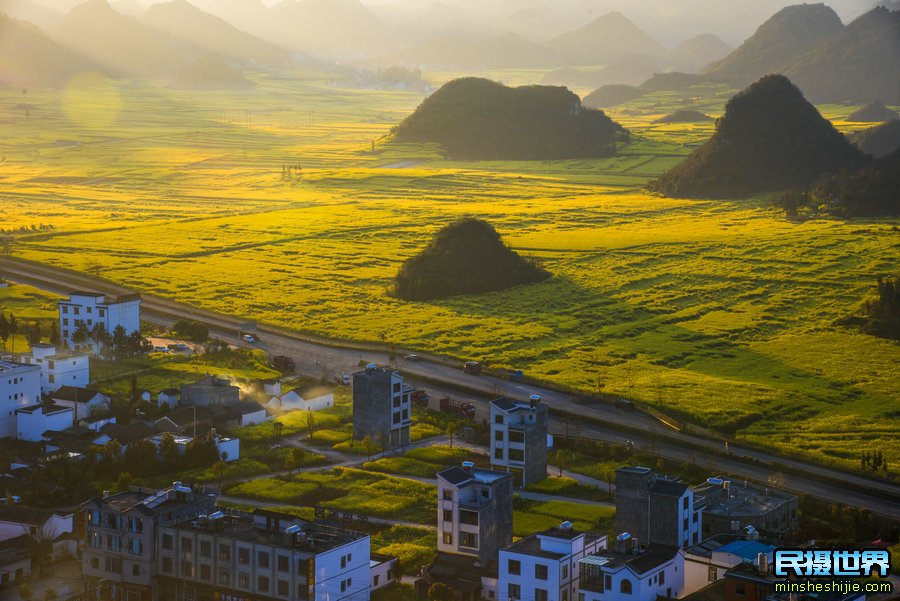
(312,400)
(86,403)
(33,421)
(544,566)
(384,570)
(707,562)
(229,448)
(91,308)
(519,439)
(632,573)
(59,367)
(249,413)
(263,555)
(20,387)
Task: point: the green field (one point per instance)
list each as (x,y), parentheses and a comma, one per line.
(719,311)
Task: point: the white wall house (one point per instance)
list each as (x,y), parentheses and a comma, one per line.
(630,575)
(249,413)
(708,561)
(545,565)
(59,367)
(32,422)
(229,448)
(18,520)
(294,401)
(20,387)
(384,570)
(85,402)
(92,308)
(169,396)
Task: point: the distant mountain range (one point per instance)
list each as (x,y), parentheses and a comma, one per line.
(830,62)
(29,58)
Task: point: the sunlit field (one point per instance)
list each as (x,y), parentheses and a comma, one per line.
(719,311)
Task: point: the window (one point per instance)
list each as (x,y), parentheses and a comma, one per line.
(448,494)
(712,574)
(167,565)
(448,515)
(498,419)
(696,513)
(187,569)
(516,455)
(205,572)
(284,588)
(375,580)
(205,548)
(516,436)
(95,563)
(284,563)
(187,545)
(224,577)
(244,556)
(243,580)
(740,589)
(224,553)
(540,594)
(468,540)
(540,571)
(685,502)
(498,435)
(514,591)
(52,377)
(662,577)
(498,453)
(607,581)
(262,560)
(514,567)
(113,565)
(625,586)
(262,584)
(469,518)
(565,572)
(448,538)
(167,542)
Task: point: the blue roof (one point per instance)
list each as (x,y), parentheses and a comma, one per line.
(746,549)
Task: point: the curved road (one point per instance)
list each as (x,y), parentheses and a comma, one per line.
(319,357)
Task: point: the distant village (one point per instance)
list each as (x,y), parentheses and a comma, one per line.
(180,543)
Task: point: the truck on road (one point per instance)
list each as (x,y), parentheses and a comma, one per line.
(473,367)
(284,364)
(460,408)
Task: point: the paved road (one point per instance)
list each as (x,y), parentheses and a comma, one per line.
(319,357)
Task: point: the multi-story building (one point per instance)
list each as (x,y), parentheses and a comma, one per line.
(92,308)
(630,572)
(381,407)
(656,509)
(544,566)
(475,511)
(59,367)
(20,387)
(519,439)
(119,557)
(731,507)
(262,556)
(32,422)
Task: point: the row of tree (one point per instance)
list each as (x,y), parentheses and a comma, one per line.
(117,345)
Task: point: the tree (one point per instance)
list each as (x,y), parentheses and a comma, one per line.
(562,460)
(13,330)
(50,594)
(25,592)
(168,451)
(54,332)
(369,446)
(80,335)
(295,459)
(440,592)
(140,458)
(4,329)
(310,423)
(6,244)
(452,428)
(278,430)
(383,442)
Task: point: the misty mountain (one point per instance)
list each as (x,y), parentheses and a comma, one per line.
(29,58)
(129,8)
(210,72)
(874,112)
(34,13)
(247,15)
(698,52)
(611,95)
(605,40)
(684,116)
(859,63)
(182,20)
(338,28)
(770,138)
(121,43)
(782,39)
(472,51)
(629,70)
(478,119)
(879,141)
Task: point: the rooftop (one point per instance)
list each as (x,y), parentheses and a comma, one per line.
(670,488)
(740,498)
(151,502)
(73,394)
(48,408)
(10,366)
(460,477)
(531,544)
(641,563)
(514,406)
(297,534)
(22,514)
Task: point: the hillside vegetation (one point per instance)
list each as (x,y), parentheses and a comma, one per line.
(874,112)
(684,116)
(478,119)
(770,138)
(611,95)
(466,257)
(879,141)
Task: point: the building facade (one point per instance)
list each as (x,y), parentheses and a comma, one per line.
(381,407)
(32,422)
(92,308)
(545,566)
(731,507)
(519,439)
(265,557)
(709,560)
(632,573)
(20,387)
(119,557)
(475,512)
(655,509)
(58,367)
(209,392)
